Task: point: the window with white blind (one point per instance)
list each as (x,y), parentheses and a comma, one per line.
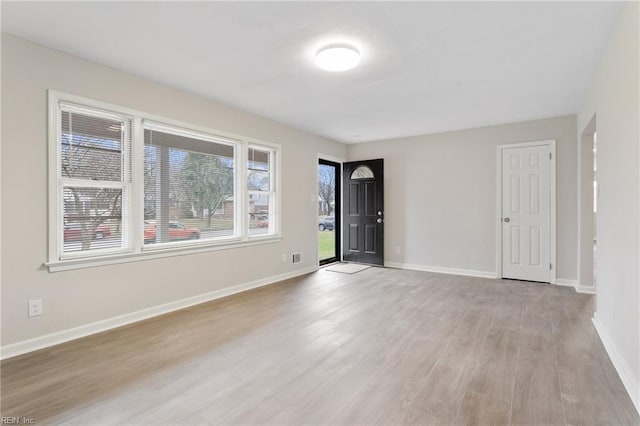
(94,180)
(126,185)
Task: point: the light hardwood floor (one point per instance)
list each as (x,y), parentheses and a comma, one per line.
(382,346)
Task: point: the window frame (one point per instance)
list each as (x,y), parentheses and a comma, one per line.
(133,248)
(203,136)
(272,193)
(124,184)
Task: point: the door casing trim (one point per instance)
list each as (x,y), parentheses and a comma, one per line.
(551,143)
(344,198)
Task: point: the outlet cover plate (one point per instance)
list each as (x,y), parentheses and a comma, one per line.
(35,308)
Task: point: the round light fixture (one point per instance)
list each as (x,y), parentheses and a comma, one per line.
(337,57)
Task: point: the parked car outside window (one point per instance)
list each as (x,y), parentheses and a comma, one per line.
(73,232)
(328,223)
(177,231)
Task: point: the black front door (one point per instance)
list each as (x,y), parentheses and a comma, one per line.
(363,212)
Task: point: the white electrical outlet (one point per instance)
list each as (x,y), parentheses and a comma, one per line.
(35,307)
(284,258)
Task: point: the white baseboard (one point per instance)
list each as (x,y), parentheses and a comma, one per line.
(630,383)
(481,274)
(441,270)
(56,338)
(586,289)
(579,288)
(566,283)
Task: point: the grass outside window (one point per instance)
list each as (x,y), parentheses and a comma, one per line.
(326,244)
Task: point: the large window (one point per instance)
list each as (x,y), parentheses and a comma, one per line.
(189,184)
(125,185)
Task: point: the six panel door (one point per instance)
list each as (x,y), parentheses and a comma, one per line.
(526,221)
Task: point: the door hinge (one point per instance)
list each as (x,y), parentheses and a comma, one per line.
(550,156)
(551,266)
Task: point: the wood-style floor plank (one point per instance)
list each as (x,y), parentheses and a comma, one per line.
(536,397)
(382,346)
(481,409)
(495,367)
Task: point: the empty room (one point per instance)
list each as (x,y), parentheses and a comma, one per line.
(320,213)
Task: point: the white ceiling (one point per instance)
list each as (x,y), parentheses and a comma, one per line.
(426,67)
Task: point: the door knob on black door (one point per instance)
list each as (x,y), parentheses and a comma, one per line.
(379,220)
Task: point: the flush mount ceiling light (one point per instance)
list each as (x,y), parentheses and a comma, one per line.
(337,57)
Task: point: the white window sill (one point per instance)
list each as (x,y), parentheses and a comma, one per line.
(156,253)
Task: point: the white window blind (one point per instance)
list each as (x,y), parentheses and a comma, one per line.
(94,177)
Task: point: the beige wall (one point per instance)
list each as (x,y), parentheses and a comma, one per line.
(75,298)
(440,194)
(613,99)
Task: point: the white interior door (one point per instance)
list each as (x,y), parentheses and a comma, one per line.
(526,213)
